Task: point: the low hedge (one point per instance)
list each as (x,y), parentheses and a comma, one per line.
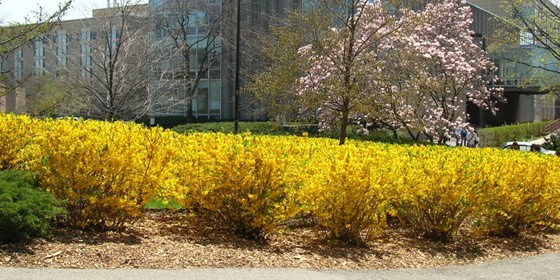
(496,136)
(250,184)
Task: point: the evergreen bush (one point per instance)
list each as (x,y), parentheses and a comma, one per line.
(25,209)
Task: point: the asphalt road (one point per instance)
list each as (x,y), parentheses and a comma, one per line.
(539,267)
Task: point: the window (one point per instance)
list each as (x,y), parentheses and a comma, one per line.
(18,64)
(39,66)
(85,62)
(18,53)
(191,30)
(203,74)
(61,61)
(202,101)
(215,74)
(61,48)
(61,38)
(215,98)
(85,49)
(193,60)
(39,47)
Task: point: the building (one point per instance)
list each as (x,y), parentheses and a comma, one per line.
(184,58)
(13,101)
(81,55)
(525,102)
(198,39)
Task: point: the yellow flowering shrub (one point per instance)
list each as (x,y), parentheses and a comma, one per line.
(242,181)
(105,172)
(523,191)
(350,187)
(442,188)
(15,132)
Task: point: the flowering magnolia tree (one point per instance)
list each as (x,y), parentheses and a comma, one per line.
(402,69)
(343,61)
(436,69)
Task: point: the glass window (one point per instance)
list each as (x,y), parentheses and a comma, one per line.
(215,98)
(202,58)
(61,38)
(215,74)
(61,61)
(39,66)
(193,60)
(202,101)
(203,74)
(191,30)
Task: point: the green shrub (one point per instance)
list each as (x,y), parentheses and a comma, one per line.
(374,135)
(552,143)
(171,121)
(25,210)
(269,128)
(228,127)
(496,136)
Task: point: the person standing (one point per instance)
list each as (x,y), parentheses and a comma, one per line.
(464,134)
(473,139)
(458,136)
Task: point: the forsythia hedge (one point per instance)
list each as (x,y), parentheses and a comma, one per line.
(350,189)
(106,172)
(245,182)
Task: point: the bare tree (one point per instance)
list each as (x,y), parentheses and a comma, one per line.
(185,50)
(15,35)
(113,73)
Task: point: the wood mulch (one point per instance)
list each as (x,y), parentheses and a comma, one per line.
(165,240)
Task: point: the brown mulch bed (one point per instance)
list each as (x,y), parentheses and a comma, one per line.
(164,240)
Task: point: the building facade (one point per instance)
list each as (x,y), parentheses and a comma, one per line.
(197,40)
(525,102)
(190,59)
(82,55)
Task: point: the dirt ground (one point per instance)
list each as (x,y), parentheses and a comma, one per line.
(163,240)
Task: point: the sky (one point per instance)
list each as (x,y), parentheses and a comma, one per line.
(16,10)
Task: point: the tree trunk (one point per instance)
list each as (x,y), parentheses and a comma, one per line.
(190,113)
(343,122)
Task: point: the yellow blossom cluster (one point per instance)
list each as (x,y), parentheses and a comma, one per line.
(14,133)
(246,182)
(104,172)
(250,184)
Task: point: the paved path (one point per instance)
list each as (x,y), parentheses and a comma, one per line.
(536,268)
